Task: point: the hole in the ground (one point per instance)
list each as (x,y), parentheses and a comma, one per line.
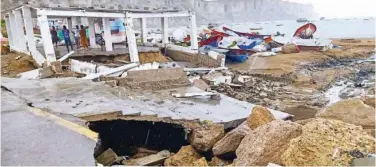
(124,137)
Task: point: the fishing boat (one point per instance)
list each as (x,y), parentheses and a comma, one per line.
(245,34)
(212,41)
(304,44)
(302,20)
(256,29)
(306,31)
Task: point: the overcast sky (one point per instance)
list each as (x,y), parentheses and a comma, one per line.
(343,8)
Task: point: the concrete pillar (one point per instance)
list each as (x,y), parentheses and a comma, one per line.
(132,45)
(193,28)
(29,29)
(92,33)
(30,36)
(75,21)
(20,30)
(107,34)
(9,32)
(47,41)
(70,25)
(84,21)
(12,21)
(144,30)
(165,30)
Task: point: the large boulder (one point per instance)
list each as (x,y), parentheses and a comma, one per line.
(259,116)
(266,143)
(231,141)
(352,111)
(203,138)
(185,157)
(326,142)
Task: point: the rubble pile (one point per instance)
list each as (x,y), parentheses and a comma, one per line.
(261,140)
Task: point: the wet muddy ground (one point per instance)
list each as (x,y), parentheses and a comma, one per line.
(303,83)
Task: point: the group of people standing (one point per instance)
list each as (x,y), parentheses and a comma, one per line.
(79,36)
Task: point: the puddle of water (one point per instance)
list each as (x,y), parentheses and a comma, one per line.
(332,94)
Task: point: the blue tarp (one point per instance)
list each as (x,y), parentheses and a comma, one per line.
(236,57)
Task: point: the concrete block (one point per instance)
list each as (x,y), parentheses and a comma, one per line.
(151,160)
(216,78)
(107,157)
(39,73)
(56,67)
(155,79)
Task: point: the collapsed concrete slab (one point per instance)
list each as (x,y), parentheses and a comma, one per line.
(155,79)
(84,98)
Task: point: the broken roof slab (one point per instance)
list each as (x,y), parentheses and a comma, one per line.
(81,98)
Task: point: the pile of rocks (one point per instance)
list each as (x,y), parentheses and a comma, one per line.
(337,135)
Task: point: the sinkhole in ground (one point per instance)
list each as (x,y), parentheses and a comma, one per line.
(124,137)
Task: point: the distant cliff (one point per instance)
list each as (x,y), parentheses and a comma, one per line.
(207,11)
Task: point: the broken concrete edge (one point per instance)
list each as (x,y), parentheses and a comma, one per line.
(114,70)
(40,73)
(178,95)
(188,124)
(87,68)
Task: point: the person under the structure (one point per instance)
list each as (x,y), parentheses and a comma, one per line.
(67,39)
(55,38)
(84,40)
(76,33)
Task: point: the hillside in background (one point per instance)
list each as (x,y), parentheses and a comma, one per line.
(208,11)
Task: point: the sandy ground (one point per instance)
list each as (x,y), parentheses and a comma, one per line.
(284,64)
(15,63)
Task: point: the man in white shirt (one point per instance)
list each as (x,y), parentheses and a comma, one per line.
(76,33)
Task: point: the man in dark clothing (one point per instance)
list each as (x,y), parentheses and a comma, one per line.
(67,39)
(55,38)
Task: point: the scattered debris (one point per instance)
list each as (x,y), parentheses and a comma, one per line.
(201,84)
(216,78)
